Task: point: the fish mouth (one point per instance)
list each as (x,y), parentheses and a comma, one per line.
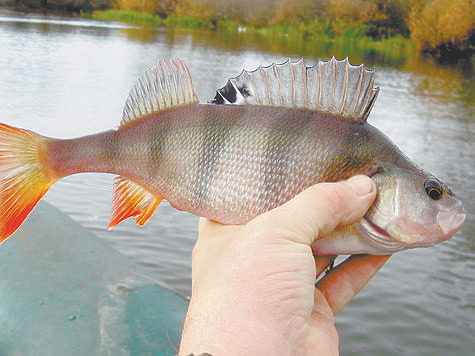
(378,236)
(451,221)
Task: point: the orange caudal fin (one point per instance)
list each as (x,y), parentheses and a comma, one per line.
(23,180)
(131,200)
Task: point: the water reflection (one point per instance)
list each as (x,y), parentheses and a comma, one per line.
(54,22)
(445,82)
(281,44)
(67,80)
(141,34)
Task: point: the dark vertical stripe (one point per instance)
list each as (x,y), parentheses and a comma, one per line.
(286,128)
(141,146)
(110,149)
(216,129)
(155,148)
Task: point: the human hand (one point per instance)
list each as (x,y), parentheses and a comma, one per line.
(253,285)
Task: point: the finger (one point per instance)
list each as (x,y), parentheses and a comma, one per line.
(321,208)
(342,283)
(322,263)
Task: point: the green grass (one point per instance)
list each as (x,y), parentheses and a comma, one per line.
(341,37)
(144,19)
(128,16)
(188,22)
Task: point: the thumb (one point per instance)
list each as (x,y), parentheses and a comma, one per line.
(321,208)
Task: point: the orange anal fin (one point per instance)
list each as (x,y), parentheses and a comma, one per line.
(131,200)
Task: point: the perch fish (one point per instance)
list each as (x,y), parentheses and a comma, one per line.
(267,135)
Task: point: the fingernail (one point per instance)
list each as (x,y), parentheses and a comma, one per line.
(362,185)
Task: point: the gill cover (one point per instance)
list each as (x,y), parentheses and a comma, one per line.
(405,215)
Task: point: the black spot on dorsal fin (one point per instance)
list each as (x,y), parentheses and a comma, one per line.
(229,92)
(218,99)
(244,91)
(332,86)
(226,95)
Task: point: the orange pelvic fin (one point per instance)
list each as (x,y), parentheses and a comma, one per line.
(24,179)
(131,200)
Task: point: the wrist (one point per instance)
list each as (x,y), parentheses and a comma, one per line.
(229,327)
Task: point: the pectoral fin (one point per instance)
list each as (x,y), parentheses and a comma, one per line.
(131,200)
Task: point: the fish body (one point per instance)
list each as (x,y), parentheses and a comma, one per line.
(259,156)
(230,163)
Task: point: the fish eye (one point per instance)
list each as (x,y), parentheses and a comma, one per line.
(433,189)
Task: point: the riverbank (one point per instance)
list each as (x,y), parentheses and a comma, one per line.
(71,78)
(62,6)
(348,35)
(379,28)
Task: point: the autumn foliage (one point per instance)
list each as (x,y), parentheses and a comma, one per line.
(439,27)
(435,26)
(444,27)
(154,7)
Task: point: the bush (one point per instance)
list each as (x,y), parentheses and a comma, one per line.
(294,12)
(388,19)
(162,8)
(444,28)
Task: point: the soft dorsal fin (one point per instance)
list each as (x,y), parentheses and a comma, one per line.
(131,200)
(332,86)
(163,86)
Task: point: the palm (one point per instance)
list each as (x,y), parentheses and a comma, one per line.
(254,285)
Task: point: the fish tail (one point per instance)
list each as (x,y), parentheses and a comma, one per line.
(24,176)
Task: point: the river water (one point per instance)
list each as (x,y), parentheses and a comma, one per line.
(69,77)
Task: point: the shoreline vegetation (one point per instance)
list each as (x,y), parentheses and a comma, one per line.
(394,29)
(326,33)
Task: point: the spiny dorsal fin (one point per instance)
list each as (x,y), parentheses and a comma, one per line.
(163,86)
(332,86)
(131,200)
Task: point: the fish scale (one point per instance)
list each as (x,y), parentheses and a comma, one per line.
(267,135)
(251,160)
